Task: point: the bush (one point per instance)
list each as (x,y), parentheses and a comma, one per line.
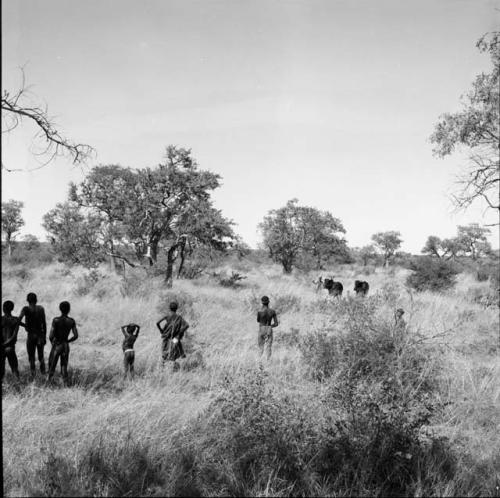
(432,274)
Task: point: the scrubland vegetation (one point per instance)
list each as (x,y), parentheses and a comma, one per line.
(346,406)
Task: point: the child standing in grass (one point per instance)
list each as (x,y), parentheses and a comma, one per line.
(10,326)
(130,332)
(267,319)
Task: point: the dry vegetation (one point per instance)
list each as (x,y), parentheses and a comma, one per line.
(376,416)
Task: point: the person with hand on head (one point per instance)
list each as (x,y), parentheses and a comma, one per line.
(130,333)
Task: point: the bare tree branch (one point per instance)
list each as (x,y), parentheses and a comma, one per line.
(15,108)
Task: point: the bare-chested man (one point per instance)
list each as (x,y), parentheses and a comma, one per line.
(59,338)
(10,326)
(267,321)
(172,333)
(36,327)
(130,332)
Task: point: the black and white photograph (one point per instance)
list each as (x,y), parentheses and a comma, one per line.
(250,248)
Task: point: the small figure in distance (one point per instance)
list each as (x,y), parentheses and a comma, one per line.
(399,322)
(130,332)
(36,327)
(318,283)
(361,288)
(267,319)
(59,338)
(10,326)
(172,333)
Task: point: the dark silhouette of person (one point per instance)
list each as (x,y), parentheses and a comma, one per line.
(130,333)
(267,319)
(59,338)
(172,333)
(399,322)
(10,326)
(36,328)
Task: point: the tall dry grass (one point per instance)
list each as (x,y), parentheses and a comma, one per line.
(155,435)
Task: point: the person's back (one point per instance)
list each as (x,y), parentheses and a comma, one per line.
(36,328)
(34,315)
(172,333)
(62,326)
(59,337)
(10,326)
(267,319)
(265,316)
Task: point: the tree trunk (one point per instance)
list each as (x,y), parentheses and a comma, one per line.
(183,259)
(9,246)
(287,266)
(170,265)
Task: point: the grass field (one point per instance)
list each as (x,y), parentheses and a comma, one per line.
(184,432)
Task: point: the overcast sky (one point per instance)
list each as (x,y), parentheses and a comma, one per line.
(331,102)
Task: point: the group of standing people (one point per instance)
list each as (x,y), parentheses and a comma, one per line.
(35,325)
(172,328)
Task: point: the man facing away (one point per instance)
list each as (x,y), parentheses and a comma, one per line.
(130,333)
(267,321)
(59,338)
(36,328)
(10,326)
(172,333)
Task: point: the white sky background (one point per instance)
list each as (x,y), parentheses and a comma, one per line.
(328,101)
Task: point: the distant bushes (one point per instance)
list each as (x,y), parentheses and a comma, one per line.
(432,274)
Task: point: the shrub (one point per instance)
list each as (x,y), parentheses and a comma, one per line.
(432,274)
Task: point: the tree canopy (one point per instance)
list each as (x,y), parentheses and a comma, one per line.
(139,212)
(388,243)
(12,221)
(476,130)
(293,230)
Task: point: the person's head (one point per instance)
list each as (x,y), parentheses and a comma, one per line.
(64,307)
(31,298)
(173,306)
(265,300)
(399,312)
(8,306)
(130,328)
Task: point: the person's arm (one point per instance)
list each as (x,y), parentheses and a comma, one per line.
(184,326)
(44,325)
(75,333)
(124,330)
(137,330)
(52,332)
(258,317)
(158,324)
(21,316)
(275,320)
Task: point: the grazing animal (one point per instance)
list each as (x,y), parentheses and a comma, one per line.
(361,287)
(334,288)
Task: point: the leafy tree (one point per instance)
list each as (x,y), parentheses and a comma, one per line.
(476,128)
(434,247)
(472,237)
(108,192)
(12,221)
(388,243)
(167,207)
(74,236)
(294,230)
(367,253)
(31,242)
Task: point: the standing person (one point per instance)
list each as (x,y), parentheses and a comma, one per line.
(59,338)
(10,326)
(36,327)
(130,332)
(399,323)
(267,319)
(172,333)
